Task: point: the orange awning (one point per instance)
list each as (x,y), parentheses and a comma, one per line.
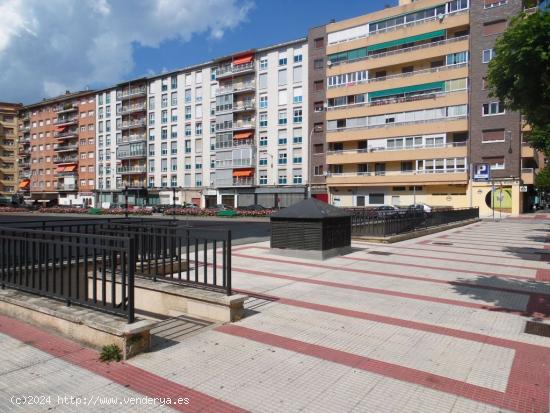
(243,59)
(60,169)
(243,172)
(243,135)
(62,128)
(70,168)
(24,183)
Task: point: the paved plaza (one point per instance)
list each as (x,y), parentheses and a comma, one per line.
(433,324)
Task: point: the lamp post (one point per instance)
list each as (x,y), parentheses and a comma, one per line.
(173,203)
(126,201)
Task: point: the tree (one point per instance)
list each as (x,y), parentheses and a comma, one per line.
(542,180)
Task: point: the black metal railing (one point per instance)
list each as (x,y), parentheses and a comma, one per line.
(86,269)
(369,222)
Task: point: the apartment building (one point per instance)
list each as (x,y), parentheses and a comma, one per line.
(8,150)
(57,150)
(397,106)
(498,137)
(232,131)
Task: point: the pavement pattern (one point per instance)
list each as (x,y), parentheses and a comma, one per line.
(433,324)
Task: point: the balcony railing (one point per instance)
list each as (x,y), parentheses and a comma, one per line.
(66,187)
(235,182)
(132,138)
(240,106)
(234,69)
(134,92)
(139,169)
(133,124)
(244,124)
(63,174)
(65,159)
(23,164)
(68,108)
(132,154)
(390,101)
(133,108)
(235,163)
(66,148)
(67,134)
(405,50)
(398,173)
(385,125)
(401,75)
(66,120)
(397,149)
(236,88)
(131,184)
(24,174)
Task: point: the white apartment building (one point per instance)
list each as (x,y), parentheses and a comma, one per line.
(233,131)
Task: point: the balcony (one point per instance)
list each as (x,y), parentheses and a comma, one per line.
(234,69)
(66,187)
(68,108)
(66,148)
(248,181)
(23,164)
(67,135)
(236,163)
(67,174)
(65,159)
(126,170)
(133,124)
(125,110)
(528,176)
(236,88)
(456,176)
(404,50)
(244,125)
(132,93)
(133,154)
(244,106)
(65,121)
(131,184)
(527,151)
(384,154)
(132,138)
(25,139)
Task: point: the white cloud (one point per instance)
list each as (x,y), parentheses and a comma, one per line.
(49,46)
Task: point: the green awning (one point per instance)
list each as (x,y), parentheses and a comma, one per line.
(405,40)
(407,89)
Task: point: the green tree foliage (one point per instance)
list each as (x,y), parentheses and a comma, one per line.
(542,180)
(519,74)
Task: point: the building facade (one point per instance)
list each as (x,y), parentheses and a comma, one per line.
(57,150)
(8,151)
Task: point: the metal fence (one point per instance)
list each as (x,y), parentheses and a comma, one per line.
(90,270)
(365,222)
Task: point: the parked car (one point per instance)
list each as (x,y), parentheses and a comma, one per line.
(387,211)
(420,207)
(253,207)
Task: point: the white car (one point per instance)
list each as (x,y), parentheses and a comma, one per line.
(420,207)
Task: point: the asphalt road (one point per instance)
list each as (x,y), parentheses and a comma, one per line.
(243,231)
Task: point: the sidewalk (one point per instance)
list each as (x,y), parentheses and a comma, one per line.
(433,324)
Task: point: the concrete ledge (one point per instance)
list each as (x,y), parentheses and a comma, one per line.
(415,234)
(86,326)
(311,254)
(166,298)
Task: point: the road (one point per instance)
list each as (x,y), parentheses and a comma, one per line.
(241,231)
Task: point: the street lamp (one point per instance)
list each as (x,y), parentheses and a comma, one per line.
(126,201)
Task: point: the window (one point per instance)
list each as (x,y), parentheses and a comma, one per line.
(174,115)
(488,4)
(297,177)
(282,59)
(164,148)
(198,111)
(297,95)
(319,42)
(198,77)
(164,101)
(263,120)
(263,162)
(282,178)
(282,99)
(187,112)
(164,133)
(494,135)
(318,64)
(282,117)
(318,106)
(174,82)
(187,95)
(164,116)
(164,83)
(263,102)
(297,118)
(492,28)
(282,159)
(376,199)
(297,74)
(496,162)
(198,128)
(263,140)
(298,57)
(198,95)
(282,137)
(187,146)
(493,108)
(318,170)
(297,135)
(457,58)
(151,103)
(263,63)
(174,98)
(262,81)
(173,148)
(456,5)
(297,157)
(263,179)
(281,77)
(488,55)
(187,130)
(318,85)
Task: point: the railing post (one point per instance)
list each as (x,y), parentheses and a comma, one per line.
(131,271)
(228,286)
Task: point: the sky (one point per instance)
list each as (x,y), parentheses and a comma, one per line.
(50,46)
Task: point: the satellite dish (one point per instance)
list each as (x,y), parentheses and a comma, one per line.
(329,63)
(440,16)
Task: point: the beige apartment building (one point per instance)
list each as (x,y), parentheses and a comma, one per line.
(8,150)
(397,106)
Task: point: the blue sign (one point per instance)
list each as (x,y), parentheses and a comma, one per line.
(482,172)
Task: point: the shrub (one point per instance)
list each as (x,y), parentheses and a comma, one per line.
(110,352)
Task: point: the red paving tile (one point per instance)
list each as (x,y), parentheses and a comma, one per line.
(133,378)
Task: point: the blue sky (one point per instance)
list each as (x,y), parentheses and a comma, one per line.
(48,47)
(268,22)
